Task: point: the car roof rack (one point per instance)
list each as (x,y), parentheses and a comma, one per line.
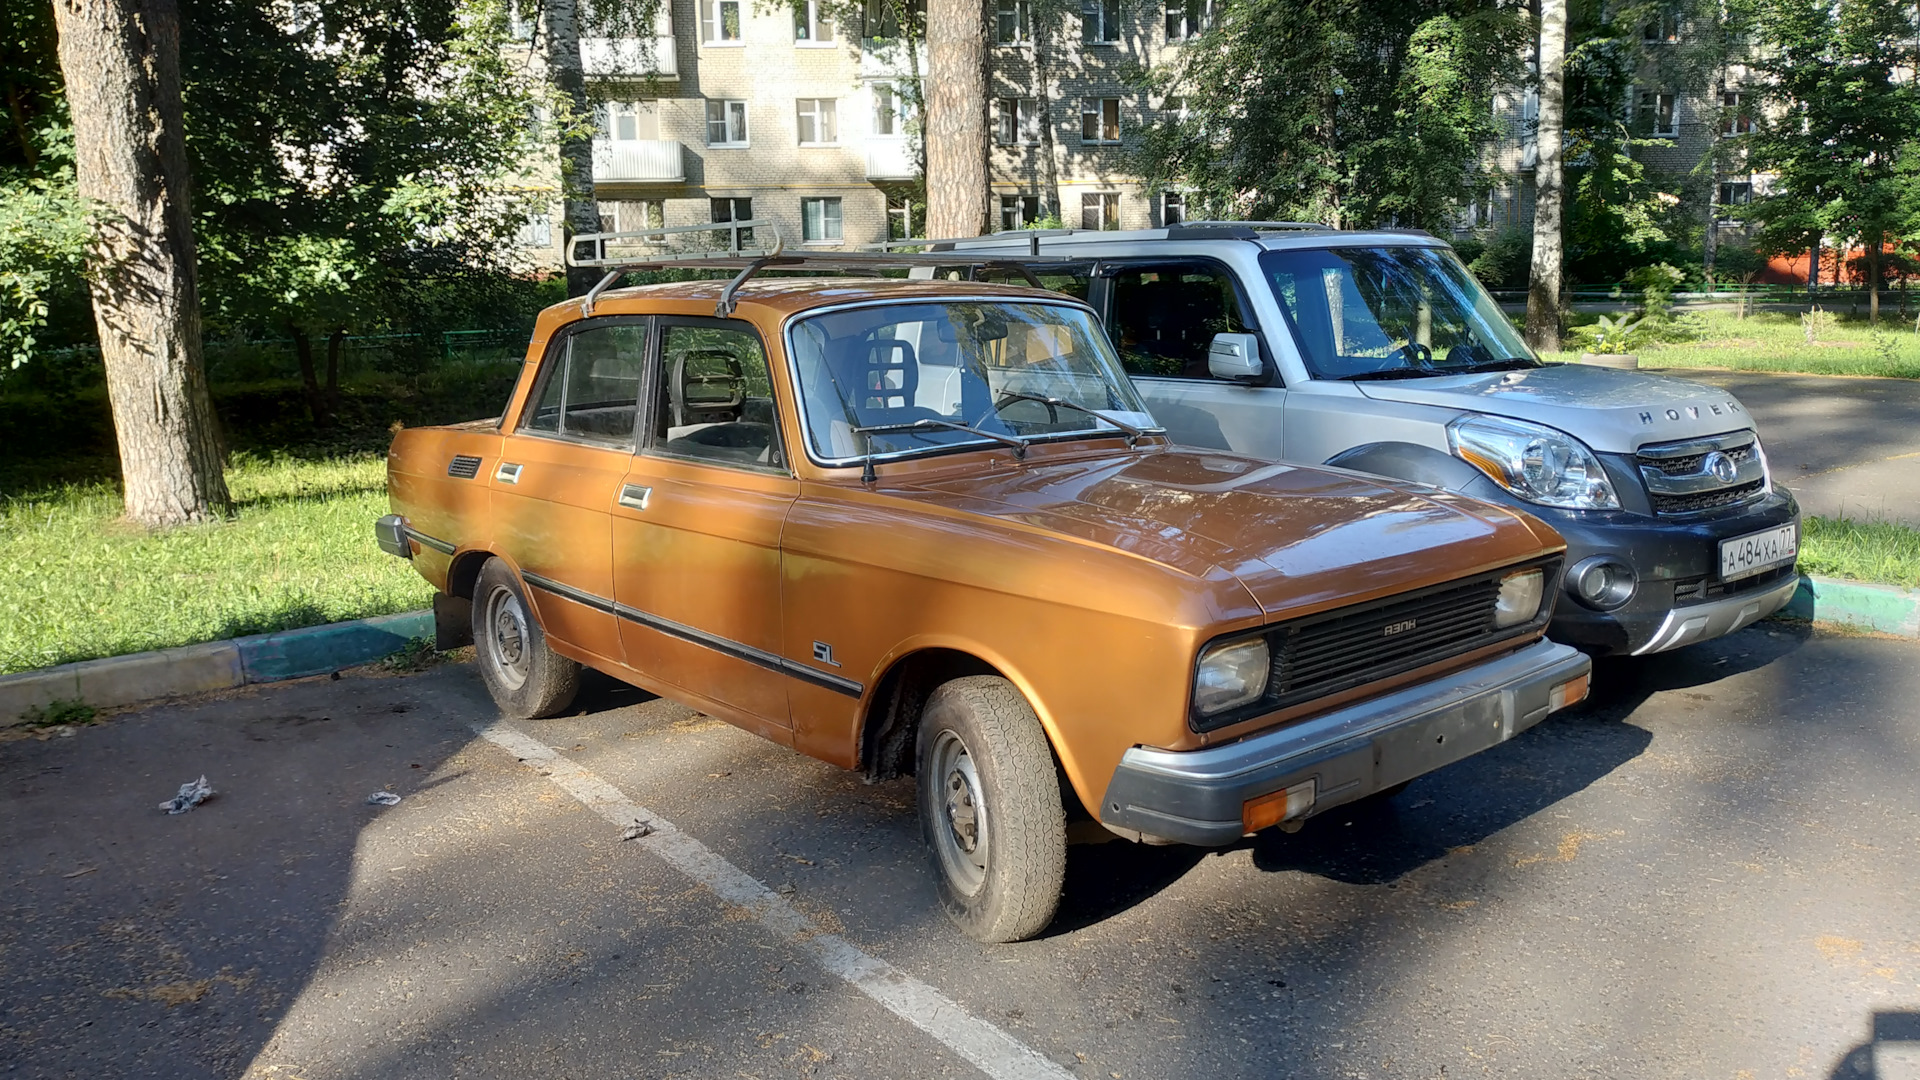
(1186,230)
(751,260)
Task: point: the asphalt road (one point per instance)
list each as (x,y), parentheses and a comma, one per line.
(1847,447)
(1709,872)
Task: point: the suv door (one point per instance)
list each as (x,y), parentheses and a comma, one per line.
(558,474)
(696,525)
(1162,315)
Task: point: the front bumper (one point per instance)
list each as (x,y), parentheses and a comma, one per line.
(1198,796)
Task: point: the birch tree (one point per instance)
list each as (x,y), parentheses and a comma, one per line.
(1549,255)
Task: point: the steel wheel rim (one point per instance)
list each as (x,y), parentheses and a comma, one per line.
(961,837)
(507,649)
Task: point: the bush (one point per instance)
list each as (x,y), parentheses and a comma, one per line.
(1505,260)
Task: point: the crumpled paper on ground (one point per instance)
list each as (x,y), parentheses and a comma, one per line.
(192,794)
(383,798)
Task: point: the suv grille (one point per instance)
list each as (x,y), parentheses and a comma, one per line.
(1348,647)
(1689,477)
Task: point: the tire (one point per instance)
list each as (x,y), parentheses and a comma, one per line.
(527,679)
(990,809)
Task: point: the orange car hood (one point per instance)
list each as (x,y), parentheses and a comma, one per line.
(1296,536)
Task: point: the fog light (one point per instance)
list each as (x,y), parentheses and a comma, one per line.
(1287,804)
(1602,582)
(1571,692)
(1519,599)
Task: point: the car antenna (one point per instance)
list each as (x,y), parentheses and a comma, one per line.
(867,475)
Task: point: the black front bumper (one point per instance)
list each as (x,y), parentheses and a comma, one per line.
(1680,598)
(1197,796)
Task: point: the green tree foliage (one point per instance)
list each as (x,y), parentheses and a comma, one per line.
(1843,124)
(1349,112)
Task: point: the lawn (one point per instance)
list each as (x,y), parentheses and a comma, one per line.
(1878,551)
(1775,341)
(299,551)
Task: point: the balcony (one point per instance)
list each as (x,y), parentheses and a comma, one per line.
(886,58)
(891,159)
(638,161)
(631,58)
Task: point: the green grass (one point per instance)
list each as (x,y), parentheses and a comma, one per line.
(1883,552)
(299,551)
(1774,341)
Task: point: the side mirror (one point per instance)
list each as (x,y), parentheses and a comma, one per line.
(1234,356)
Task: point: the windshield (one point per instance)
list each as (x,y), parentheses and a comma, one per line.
(974,363)
(1400,312)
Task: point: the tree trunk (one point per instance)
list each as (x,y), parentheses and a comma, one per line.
(121,63)
(581,213)
(956,118)
(309,376)
(336,341)
(1043,102)
(1874,244)
(1543,289)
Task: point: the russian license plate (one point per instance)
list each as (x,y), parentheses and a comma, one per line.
(1745,556)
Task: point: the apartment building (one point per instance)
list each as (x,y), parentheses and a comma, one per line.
(734,110)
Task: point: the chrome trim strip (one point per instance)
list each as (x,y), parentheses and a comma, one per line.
(1732,440)
(726,646)
(433,542)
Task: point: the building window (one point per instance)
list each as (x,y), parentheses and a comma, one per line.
(900,217)
(883,17)
(811,23)
(1010,22)
(1662,28)
(650,214)
(820,221)
(1188,18)
(1019,121)
(1100,120)
(536,231)
(1100,21)
(1658,110)
(627,121)
(725,210)
(1020,211)
(1735,196)
(720,22)
(726,123)
(819,122)
(888,118)
(1739,115)
(1173,207)
(1100,210)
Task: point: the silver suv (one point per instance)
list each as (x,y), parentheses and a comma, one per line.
(1378,351)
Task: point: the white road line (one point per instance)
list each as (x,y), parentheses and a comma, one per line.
(990,1049)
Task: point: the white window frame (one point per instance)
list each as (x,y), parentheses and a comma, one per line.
(823,112)
(1739,119)
(611,113)
(1022,25)
(1021,211)
(536,231)
(1177,199)
(889,111)
(1104,17)
(1096,109)
(1016,121)
(810,17)
(1188,28)
(713,24)
(1107,198)
(728,115)
(1650,104)
(839,219)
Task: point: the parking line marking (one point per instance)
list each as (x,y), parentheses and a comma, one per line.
(985,1045)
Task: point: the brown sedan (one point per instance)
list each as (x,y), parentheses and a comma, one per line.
(929,528)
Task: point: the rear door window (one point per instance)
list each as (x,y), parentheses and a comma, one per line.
(1162,316)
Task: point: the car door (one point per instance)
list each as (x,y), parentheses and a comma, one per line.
(696,526)
(559,473)
(1162,315)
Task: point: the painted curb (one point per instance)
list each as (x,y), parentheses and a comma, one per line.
(1885,608)
(215,665)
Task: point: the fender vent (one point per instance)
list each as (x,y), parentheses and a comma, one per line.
(463,467)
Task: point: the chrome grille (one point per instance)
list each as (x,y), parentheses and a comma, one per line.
(1681,477)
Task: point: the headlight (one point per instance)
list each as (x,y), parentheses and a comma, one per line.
(1537,463)
(1230,674)
(1519,599)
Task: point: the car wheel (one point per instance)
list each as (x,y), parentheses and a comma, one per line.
(990,809)
(526,678)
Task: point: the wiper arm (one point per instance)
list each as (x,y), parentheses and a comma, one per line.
(922,424)
(1390,373)
(1512,363)
(1134,434)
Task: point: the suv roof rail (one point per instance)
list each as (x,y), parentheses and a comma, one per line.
(750,261)
(1032,236)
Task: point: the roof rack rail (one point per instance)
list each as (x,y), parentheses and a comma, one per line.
(1032,236)
(1309,226)
(750,261)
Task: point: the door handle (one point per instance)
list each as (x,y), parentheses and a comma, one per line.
(634,496)
(507,473)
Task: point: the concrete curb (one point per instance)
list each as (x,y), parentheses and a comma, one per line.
(215,665)
(1885,608)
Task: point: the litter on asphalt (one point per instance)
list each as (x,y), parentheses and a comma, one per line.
(382,798)
(192,794)
(636,830)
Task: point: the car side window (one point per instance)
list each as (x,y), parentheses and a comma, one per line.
(715,398)
(591,391)
(1162,316)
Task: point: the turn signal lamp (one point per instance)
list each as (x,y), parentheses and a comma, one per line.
(1287,804)
(1571,692)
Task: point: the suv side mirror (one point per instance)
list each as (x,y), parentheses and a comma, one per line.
(1234,356)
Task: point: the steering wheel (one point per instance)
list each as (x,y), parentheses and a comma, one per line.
(1416,354)
(1053,412)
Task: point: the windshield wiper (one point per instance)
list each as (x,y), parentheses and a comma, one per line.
(922,424)
(1134,434)
(1390,373)
(1512,363)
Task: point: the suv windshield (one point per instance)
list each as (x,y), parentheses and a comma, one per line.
(979,364)
(1391,313)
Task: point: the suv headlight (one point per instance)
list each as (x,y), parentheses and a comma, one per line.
(1537,463)
(1230,674)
